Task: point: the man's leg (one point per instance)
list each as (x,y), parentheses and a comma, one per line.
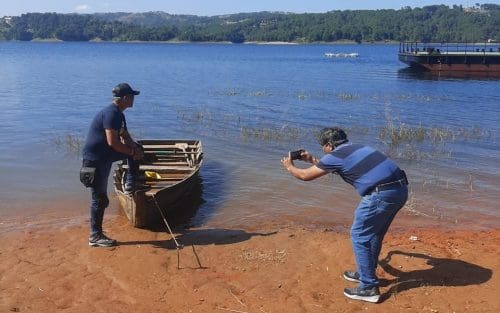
(131,175)
(373,217)
(391,201)
(100,199)
(363,233)
(98,205)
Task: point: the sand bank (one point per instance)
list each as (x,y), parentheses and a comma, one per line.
(51,268)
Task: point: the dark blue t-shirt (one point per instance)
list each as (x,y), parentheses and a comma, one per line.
(96,146)
(361,166)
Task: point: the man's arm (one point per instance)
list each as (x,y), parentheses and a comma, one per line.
(113,140)
(127,139)
(305,174)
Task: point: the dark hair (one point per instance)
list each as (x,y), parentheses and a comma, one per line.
(334,136)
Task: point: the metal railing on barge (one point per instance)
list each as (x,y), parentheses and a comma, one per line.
(419,48)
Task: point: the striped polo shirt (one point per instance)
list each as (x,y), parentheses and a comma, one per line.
(361,166)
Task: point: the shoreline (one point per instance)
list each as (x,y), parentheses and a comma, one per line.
(243,270)
(324,43)
(318,221)
(416,214)
(334,43)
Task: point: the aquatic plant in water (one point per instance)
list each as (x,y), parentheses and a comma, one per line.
(69,143)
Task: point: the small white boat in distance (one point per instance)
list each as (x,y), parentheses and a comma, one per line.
(341,55)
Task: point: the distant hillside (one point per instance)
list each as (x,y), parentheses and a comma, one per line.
(436,23)
(153,19)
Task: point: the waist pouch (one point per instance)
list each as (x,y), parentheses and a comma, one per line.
(87,176)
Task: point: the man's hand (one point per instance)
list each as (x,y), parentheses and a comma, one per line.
(287,162)
(137,153)
(308,157)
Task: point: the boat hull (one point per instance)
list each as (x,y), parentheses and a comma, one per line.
(444,63)
(176,175)
(143,210)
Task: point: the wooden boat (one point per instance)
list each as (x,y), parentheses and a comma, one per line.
(166,174)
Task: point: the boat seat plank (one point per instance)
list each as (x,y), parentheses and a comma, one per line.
(162,184)
(152,192)
(176,157)
(146,167)
(147,179)
(170,153)
(147,146)
(175,163)
(172,161)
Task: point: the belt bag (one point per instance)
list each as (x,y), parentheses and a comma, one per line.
(87,176)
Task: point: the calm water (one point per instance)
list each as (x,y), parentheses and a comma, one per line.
(249,104)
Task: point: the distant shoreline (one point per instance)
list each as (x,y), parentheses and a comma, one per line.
(343,42)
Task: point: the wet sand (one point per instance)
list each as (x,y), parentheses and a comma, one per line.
(50,268)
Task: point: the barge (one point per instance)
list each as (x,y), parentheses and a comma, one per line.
(483,59)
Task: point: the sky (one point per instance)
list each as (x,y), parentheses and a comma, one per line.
(211,7)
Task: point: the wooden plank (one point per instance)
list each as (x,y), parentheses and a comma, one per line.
(147,167)
(167,160)
(168,163)
(168,141)
(152,182)
(170,152)
(152,192)
(146,146)
(165,167)
(171,156)
(161,185)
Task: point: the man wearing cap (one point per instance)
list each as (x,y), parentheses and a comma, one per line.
(383,188)
(108,141)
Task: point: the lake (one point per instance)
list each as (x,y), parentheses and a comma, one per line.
(249,105)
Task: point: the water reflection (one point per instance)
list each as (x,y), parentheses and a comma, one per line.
(207,195)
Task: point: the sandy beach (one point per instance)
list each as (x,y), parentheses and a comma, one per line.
(50,268)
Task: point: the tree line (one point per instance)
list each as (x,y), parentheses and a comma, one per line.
(436,23)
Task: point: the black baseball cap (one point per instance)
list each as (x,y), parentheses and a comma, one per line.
(124,89)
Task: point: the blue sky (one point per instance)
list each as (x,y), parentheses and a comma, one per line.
(209,7)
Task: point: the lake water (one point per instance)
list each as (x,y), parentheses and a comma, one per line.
(250,105)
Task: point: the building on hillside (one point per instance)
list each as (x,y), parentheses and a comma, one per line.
(7,20)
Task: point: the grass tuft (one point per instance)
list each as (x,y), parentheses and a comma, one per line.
(282,134)
(69,143)
(345,96)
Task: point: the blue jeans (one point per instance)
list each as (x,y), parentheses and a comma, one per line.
(99,201)
(372,219)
